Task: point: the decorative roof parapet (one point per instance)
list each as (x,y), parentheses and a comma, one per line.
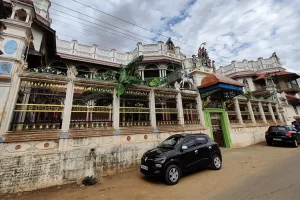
(72,49)
(259,66)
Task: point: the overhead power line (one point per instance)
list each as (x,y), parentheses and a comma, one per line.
(119,28)
(129,22)
(137,25)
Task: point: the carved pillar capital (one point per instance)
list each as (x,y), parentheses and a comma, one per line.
(72,72)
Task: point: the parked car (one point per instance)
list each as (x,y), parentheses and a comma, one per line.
(282,134)
(179,154)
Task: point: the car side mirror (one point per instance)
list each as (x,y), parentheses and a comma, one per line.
(184,147)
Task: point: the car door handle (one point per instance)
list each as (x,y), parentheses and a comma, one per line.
(196,152)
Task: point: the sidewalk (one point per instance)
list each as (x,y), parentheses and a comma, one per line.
(237,165)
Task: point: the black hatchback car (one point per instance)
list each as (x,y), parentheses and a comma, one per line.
(282,134)
(181,153)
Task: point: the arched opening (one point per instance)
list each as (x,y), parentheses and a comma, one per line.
(60,66)
(100,71)
(151,71)
(21,15)
(83,71)
(173,67)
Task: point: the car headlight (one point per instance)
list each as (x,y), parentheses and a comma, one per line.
(160,160)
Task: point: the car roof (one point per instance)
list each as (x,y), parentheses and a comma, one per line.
(189,134)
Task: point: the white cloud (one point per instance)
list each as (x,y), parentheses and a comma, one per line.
(233,29)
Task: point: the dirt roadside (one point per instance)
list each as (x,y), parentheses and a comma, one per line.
(238,164)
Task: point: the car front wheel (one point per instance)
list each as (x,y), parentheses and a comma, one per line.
(172,175)
(269,143)
(216,162)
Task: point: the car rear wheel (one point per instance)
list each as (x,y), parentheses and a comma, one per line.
(216,162)
(295,143)
(172,175)
(269,143)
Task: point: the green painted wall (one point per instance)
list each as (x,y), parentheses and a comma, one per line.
(224,122)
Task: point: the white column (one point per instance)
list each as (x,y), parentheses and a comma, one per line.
(279,114)
(28,17)
(180,109)
(238,111)
(10,104)
(68,106)
(143,74)
(160,74)
(251,112)
(261,110)
(271,111)
(200,109)
(13,14)
(152,109)
(116,111)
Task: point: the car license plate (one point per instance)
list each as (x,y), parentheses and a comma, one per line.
(277,139)
(144,167)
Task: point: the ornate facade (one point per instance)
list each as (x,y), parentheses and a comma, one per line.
(268,79)
(69,110)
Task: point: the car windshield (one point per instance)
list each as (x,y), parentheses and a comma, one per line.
(277,128)
(171,142)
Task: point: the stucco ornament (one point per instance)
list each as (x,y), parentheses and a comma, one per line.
(72,72)
(22,67)
(177,85)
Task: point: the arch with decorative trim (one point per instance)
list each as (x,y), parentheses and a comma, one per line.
(59,65)
(151,71)
(83,71)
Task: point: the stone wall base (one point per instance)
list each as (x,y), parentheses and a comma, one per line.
(246,136)
(26,166)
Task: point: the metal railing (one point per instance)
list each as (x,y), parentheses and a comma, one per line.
(167,123)
(77,124)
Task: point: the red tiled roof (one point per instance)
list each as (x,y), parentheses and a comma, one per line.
(214,78)
(280,73)
(27,1)
(292,99)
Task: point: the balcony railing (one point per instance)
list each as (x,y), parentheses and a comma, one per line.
(167,123)
(36,126)
(78,125)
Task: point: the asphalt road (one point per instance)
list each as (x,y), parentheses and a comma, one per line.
(279,180)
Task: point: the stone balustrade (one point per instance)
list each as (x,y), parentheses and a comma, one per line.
(96,53)
(259,65)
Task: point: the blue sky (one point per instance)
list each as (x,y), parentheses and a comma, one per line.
(232,29)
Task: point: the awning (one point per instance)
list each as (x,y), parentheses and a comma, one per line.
(212,79)
(224,86)
(280,73)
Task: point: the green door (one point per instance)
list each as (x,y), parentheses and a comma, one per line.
(218,124)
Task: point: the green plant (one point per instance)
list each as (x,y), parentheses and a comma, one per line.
(248,94)
(157,81)
(129,76)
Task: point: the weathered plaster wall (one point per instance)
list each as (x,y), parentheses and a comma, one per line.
(4,89)
(245,136)
(290,113)
(32,165)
